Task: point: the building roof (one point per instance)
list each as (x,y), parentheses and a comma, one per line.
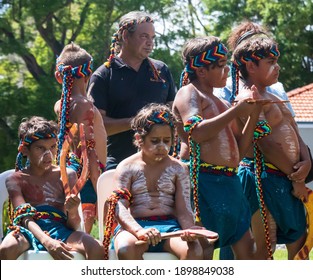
(301,100)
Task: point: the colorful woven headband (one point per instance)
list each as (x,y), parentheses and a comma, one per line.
(159,118)
(206,58)
(26,142)
(32,138)
(115,38)
(257,55)
(79,71)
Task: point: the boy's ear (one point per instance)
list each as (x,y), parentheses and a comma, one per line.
(58,77)
(200,71)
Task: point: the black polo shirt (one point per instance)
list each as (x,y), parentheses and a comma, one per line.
(122,92)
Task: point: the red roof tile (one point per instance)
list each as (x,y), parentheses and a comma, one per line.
(301,100)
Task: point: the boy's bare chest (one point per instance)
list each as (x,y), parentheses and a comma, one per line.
(153,180)
(39,191)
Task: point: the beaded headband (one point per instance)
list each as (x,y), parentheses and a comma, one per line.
(25,142)
(115,38)
(205,58)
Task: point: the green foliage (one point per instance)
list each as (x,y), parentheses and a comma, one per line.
(290,21)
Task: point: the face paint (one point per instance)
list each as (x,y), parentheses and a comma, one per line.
(46,156)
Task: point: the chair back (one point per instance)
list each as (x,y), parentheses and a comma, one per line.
(104,190)
(3,198)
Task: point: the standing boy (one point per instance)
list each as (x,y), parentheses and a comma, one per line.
(213,143)
(268,170)
(73,70)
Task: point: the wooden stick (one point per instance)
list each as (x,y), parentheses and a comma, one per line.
(84,154)
(265,101)
(210,235)
(63,156)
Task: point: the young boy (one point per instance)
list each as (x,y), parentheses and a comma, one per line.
(272,159)
(159,189)
(44,219)
(73,70)
(214,144)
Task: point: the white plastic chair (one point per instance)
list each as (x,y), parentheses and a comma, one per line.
(105,188)
(30,254)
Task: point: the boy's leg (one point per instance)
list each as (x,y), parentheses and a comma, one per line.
(226,253)
(244,248)
(125,247)
(11,247)
(293,248)
(85,244)
(259,234)
(184,250)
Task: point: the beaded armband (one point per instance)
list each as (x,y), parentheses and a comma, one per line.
(22,211)
(194,159)
(122,193)
(262,129)
(19,213)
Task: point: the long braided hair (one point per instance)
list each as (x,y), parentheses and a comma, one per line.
(73,63)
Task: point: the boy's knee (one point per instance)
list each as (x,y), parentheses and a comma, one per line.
(5,253)
(195,252)
(127,252)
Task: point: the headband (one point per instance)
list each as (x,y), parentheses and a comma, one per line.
(257,55)
(205,58)
(156,118)
(26,142)
(79,71)
(249,35)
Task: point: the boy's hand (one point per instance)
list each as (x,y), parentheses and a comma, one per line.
(151,235)
(71,203)
(300,191)
(302,169)
(58,249)
(189,236)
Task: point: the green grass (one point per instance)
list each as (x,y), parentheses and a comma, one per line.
(280,254)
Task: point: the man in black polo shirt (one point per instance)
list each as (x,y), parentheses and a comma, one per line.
(128,81)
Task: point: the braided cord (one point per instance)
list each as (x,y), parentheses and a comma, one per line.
(122,193)
(262,130)
(16,217)
(235,81)
(194,159)
(64,118)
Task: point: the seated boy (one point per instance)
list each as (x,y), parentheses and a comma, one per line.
(157,192)
(44,219)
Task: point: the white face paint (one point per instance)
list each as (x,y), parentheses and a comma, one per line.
(47,155)
(160,147)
